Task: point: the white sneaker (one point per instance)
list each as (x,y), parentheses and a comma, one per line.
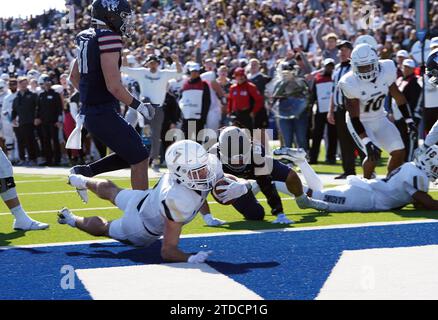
(77,181)
(65,216)
(282,219)
(26,224)
(294,155)
(305,202)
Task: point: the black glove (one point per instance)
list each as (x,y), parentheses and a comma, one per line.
(412,127)
(373,152)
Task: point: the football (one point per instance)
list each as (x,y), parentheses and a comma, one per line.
(222,182)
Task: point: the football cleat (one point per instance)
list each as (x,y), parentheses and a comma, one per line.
(27,224)
(293,155)
(282,219)
(82,170)
(76,181)
(65,216)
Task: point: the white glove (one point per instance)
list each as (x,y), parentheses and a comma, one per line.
(234,190)
(282,219)
(200,257)
(147,110)
(212,221)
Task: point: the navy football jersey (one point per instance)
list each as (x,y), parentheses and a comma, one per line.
(91,44)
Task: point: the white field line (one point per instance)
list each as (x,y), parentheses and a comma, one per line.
(61,179)
(242,232)
(106,208)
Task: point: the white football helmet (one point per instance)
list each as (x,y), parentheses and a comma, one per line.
(428,162)
(366,38)
(191,165)
(234,147)
(365,62)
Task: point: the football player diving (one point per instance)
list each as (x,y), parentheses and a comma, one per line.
(161,211)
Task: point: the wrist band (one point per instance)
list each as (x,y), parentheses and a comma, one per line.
(135,103)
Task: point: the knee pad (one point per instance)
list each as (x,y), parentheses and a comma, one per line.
(7,188)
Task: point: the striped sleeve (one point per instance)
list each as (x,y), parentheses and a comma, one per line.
(110,43)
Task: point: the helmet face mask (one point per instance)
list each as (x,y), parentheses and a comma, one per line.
(432,68)
(365,62)
(433,77)
(191,165)
(428,162)
(127,27)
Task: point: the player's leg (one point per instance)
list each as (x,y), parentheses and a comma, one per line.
(9,195)
(249,207)
(368,166)
(126,143)
(388,137)
(104,189)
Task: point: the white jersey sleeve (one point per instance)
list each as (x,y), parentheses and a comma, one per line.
(388,71)
(432,137)
(181,204)
(349,86)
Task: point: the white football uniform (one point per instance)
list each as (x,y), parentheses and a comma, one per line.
(382,132)
(5,166)
(7,129)
(363,195)
(432,137)
(145,211)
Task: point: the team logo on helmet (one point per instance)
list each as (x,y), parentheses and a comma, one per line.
(111,5)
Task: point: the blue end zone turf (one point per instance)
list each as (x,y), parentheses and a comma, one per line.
(275,265)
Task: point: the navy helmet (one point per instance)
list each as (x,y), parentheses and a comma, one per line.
(116,14)
(432,68)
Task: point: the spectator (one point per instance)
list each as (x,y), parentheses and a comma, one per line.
(195,103)
(260,80)
(49,117)
(244,100)
(291,94)
(24,108)
(153,87)
(322,88)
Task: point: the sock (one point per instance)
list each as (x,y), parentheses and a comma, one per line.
(19,213)
(111,162)
(312,179)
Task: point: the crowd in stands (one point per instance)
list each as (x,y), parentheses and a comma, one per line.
(281,50)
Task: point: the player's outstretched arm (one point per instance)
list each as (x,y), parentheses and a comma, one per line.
(425,200)
(169,248)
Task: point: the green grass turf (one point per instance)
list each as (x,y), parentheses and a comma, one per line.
(58,233)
